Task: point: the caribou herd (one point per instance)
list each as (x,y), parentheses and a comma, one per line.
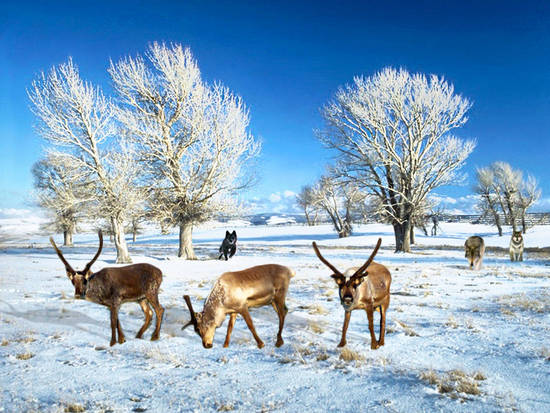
(360,288)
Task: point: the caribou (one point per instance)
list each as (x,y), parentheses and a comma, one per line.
(234,293)
(363,288)
(113,286)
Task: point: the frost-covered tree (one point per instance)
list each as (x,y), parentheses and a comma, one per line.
(193,138)
(62,193)
(340,202)
(503,190)
(392,134)
(76,119)
(305,199)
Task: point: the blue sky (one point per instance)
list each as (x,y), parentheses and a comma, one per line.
(286,59)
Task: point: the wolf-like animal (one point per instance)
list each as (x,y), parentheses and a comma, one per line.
(516,246)
(475,249)
(229,245)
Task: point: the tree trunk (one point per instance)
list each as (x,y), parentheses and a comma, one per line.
(122,255)
(134,236)
(407,236)
(412,236)
(307,218)
(68,238)
(398,232)
(402,236)
(186,242)
(523,223)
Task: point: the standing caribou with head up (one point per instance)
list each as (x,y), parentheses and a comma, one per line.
(114,286)
(367,288)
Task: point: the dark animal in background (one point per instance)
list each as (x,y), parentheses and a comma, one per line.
(229,245)
(475,249)
(516,246)
(114,286)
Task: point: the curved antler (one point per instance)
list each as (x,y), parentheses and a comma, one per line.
(190,306)
(366,264)
(61,257)
(324,261)
(89,265)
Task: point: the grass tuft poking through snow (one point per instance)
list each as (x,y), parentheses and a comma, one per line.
(454,382)
(74,408)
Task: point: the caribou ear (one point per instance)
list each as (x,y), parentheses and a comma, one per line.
(359,279)
(338,279)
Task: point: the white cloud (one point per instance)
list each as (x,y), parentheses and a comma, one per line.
(275,197)
(289,194)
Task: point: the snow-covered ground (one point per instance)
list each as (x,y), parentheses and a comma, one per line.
(457,340)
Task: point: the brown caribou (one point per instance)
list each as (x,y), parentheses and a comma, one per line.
(234,293)
(113,286)
(363,288)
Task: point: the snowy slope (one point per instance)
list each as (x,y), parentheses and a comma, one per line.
(445,324)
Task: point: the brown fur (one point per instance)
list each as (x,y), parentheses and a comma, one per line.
(367,288)
(234,293)
(113,286)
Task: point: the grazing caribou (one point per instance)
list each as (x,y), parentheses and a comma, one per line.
(234,293)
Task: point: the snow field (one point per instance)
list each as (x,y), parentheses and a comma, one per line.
(456,340)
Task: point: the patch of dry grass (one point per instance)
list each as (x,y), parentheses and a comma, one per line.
(74,408)
(454,382)
(406,329)
(451,322)
(317,309)
(347,354)
(4,342)
(544,353)
(24,356)
(225,407)
(316,327)
(26,340)
(306,354)
(539,302)
(164,356)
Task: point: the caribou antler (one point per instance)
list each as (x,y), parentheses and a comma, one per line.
(359,272)
(89,265)
(61,257)
(324,261)
(193,320)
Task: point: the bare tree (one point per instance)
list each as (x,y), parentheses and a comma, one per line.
(305,199)
(192,137)
(528,194)
(503,190)
(339,201)
(77,120)
(488,203)
(392,135)
(62,193)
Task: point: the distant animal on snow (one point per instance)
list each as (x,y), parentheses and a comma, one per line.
(475,249)
(234,293)
(229,245)
(516,246)
(114,286)
(363,288)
